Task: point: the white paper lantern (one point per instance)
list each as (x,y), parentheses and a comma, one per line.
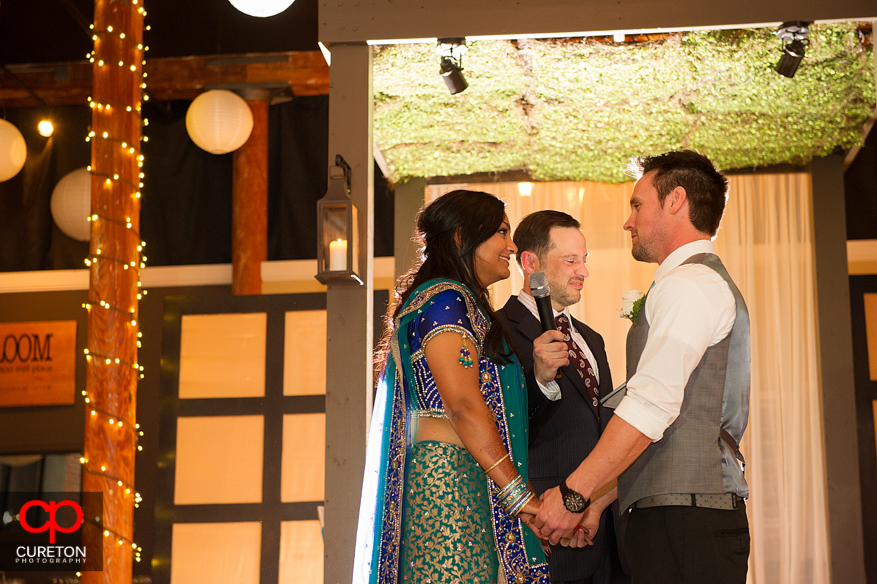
(219,121)
(71,204)
(261,8)
(13,150)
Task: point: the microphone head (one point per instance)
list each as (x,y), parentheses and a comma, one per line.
(539,285)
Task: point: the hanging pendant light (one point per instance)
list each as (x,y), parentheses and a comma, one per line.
(71,204)
(219,121)
(13,150)
(261,8)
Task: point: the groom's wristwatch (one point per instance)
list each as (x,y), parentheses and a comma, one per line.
(573,501)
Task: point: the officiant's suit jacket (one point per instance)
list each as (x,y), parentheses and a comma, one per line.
(562,433)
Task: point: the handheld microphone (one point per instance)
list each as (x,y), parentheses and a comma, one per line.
(542,294)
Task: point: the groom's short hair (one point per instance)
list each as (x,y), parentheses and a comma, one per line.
(705,187)
(533,233)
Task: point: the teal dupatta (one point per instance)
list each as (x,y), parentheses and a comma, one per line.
(390,436)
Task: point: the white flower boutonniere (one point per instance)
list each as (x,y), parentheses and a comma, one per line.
(632,302)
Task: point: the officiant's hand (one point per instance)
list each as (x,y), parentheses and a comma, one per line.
(549,355)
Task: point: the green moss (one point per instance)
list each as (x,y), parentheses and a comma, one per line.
(579,109)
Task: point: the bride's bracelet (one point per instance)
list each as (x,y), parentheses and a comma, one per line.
(496,464)
(515,496)
(519,505)
(512,485)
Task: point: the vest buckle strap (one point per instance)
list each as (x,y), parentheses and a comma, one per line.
(724,501)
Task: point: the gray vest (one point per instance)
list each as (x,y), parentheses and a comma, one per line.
(692,457)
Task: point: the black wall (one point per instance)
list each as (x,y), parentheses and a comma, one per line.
(186,205)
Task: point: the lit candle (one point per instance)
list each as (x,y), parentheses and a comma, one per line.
(337,255)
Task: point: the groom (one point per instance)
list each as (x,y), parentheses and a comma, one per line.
(566,418)
(674,437)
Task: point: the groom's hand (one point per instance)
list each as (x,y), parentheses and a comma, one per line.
(553,519)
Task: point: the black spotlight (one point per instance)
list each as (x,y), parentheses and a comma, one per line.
(794,36)
(452,73)
(451,51)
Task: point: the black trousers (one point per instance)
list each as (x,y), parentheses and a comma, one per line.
(691,545)
(611,570)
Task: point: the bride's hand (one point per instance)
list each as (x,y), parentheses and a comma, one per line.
(528,514)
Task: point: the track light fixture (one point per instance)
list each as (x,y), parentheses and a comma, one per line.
(794,36)
(451,51)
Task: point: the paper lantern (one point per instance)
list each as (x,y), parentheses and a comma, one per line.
(219,121)
(71,204)
(13,150)
(261,8)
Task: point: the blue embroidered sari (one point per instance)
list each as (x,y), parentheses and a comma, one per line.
(406,392)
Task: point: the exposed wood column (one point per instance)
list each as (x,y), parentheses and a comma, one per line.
(112,370)
(349,311)
(249,244)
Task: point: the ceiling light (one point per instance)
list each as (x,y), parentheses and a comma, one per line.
(451,50)
(45,128)
(794,36)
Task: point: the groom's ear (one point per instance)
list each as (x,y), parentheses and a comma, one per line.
(529,261)
(677,199)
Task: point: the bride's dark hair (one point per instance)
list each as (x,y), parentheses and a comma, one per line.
(449,230)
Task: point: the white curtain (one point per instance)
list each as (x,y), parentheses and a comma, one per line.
(766,243)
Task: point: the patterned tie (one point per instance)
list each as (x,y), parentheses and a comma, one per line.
(577,358)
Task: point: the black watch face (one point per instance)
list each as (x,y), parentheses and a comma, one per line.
(574,502)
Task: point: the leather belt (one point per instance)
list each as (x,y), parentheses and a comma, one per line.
(727,501)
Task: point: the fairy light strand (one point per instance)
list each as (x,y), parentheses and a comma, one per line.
(130,60)
(127,224)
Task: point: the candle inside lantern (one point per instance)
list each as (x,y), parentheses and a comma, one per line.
(338,255)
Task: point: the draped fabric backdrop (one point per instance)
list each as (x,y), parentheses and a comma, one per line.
(766,243)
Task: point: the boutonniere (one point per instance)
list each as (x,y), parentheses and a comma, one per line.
(632,302)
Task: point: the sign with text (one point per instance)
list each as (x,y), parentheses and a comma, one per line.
(37,363)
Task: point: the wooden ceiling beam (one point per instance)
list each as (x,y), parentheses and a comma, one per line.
(183,78)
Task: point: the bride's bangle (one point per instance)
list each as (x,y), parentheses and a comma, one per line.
(496,464)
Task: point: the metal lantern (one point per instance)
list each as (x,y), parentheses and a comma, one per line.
(337,230)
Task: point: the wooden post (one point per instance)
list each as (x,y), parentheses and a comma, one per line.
(249,246)
(349,314)
(115,261)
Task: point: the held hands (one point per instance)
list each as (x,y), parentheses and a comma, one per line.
(528,515)
(553,520)
(583,534)
(549,354)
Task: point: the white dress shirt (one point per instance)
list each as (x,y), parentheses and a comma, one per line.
(552,390)
(689,308)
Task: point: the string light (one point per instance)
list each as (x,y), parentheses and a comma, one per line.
(116,153)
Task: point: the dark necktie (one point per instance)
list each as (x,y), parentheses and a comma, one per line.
(578,359)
